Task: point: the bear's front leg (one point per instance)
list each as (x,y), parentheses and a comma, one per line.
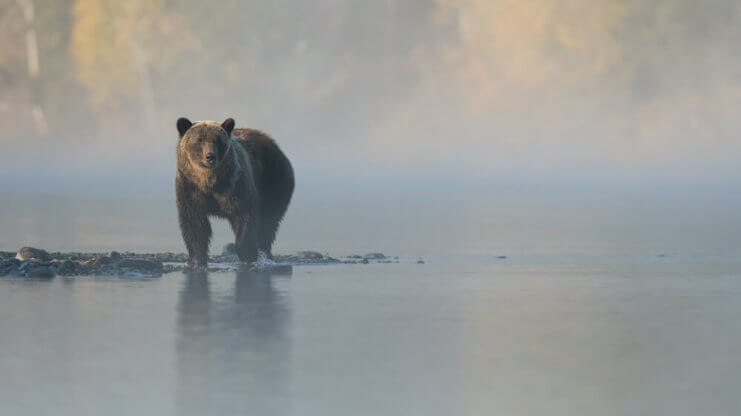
(196,234)
(194,226)
(245,234)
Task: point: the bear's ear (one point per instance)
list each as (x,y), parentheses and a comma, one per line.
(183,125)
(228,125)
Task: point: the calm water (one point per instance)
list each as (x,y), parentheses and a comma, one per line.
(455,336)
(510,225)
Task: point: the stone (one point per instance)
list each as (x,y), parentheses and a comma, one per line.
(141,265)
(25,265)
(375,256)
(67,267)
(8,265)
(28,253)
(103,260)
(7,255)
(310,255)
(42,272)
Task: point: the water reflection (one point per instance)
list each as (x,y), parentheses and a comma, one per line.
(233,352)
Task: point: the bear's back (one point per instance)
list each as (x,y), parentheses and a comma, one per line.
(272,169)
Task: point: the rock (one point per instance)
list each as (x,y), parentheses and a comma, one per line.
(310,255)
(25,265)
(66,267)
(374,256)
(114,255)
(83,268)
(420,261)
(132,264)
(28,253)
(355,256)
(104,260)
(17,273)
(170,257)
(43,272)
(364,261)
(6,266)
(501,257)
(286,258)
(229,250)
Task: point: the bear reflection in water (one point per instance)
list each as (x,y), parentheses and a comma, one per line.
(233,348)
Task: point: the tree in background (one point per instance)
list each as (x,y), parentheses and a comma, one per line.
(657,74)
(352,70)
(50,85)
(113,46)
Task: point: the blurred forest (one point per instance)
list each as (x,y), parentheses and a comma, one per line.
(652,74)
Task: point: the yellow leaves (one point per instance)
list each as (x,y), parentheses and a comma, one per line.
(527,45)
(104,44)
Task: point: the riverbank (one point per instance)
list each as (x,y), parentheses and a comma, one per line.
(38,263)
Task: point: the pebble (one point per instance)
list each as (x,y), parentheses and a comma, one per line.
(103,260)
(312,255)
(43,272)
(67,267)
(28,253)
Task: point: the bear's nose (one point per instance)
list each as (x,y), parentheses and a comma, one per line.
(210,157)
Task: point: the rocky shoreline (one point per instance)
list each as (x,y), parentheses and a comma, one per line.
(37,263)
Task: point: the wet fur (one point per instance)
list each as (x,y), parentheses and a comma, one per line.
(251,186)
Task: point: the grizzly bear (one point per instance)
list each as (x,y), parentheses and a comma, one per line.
(237,174)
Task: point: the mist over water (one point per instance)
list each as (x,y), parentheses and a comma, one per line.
(415,126)
(568,170)
(470,90)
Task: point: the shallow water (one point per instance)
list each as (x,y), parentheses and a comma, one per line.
(520,336)
(494,226)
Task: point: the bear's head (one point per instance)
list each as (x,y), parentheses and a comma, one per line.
(204,143)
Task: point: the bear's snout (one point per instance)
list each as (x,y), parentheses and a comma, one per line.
(210,155)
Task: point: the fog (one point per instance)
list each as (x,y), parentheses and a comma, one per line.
(556,115)
(555,186)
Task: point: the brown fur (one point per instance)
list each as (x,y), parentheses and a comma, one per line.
(248,181)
